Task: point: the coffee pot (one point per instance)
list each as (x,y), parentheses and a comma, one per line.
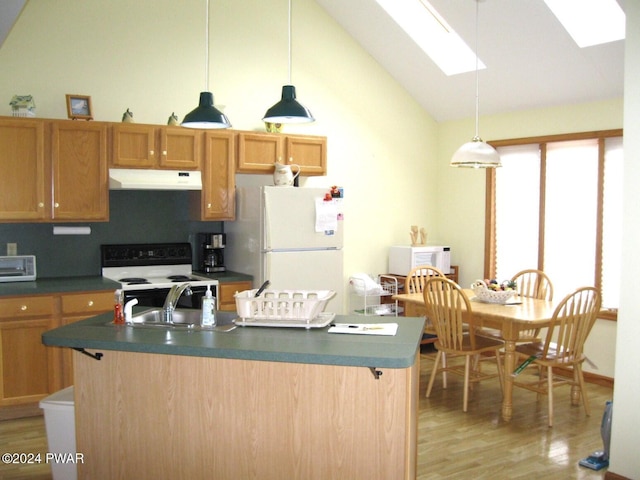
(283,176)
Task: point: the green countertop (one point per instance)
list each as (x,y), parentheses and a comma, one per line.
(292,345)
(43,286)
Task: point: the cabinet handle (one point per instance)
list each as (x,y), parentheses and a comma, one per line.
(56,205)
(23,308)
(90,303)
(208,205)
(164,153)
(152,152)
(40,205)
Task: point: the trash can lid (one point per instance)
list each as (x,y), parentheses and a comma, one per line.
(61,397)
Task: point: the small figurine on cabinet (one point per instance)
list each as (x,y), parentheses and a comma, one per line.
(173,119)
(127,117)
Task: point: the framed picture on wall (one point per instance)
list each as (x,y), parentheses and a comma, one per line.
(79,107)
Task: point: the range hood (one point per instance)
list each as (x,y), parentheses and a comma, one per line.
(138,179)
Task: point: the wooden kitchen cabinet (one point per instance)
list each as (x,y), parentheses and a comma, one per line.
(22,170)
(216,201)
(152,146)
(76,307)
(27,368)
(80,171)
(52,170)
(257,152)
(226,292)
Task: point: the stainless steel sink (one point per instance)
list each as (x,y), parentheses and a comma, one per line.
(182,319)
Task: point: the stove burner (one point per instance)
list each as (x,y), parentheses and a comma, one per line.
(179,278)
(134,280)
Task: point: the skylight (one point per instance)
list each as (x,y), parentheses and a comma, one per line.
(433,35)
(590,22)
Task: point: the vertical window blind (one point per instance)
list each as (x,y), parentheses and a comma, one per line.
(557,207)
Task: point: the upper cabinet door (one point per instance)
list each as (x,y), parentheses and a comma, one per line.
(310,153)
(134,146)
(80,171)
(180,148)
(258,152)
(217,199)
(22,170)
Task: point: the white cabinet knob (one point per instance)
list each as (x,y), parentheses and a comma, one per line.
(56,205)
(23,308)
(152,152)
(164,152)
(90,303)
(40,205)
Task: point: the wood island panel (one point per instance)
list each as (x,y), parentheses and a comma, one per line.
(149,416)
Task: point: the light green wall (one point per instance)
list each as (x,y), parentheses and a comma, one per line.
(149,56)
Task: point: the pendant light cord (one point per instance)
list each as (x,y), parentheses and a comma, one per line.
(206,55)
(289,27)
(477,81)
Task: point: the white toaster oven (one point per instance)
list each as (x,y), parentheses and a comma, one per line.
(18,268)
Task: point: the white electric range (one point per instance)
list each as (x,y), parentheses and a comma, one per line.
(148,271)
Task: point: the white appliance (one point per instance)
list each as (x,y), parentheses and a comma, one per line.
(289,236)
(402,258)
(147,271)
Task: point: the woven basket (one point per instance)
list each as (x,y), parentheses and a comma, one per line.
(485,294)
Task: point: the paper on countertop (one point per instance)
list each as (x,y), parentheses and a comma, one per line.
(364,328)
(326,216)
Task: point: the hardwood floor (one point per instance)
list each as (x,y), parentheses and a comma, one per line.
(451,444)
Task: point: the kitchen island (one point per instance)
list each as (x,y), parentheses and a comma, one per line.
(250,403)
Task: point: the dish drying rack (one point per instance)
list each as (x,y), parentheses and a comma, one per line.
(370,297)
(284,308)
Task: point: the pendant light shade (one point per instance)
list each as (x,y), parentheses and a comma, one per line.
(288,109)
(476,153)
(205,115)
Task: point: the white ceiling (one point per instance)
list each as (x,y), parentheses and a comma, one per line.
(9,11)
(531,60)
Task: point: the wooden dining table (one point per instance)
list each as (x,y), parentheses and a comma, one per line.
(522,313)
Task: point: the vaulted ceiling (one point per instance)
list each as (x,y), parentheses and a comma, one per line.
(531,60)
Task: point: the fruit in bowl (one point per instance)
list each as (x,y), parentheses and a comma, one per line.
(500,286)
(492,291)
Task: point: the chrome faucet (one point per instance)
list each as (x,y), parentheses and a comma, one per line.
(172,300)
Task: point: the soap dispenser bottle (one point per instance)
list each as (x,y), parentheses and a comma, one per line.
(208,309)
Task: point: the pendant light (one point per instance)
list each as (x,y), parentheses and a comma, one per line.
(288,109)
(205,115)
(476,153)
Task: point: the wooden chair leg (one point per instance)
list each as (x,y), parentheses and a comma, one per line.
(577,371)
(433,373)
(550,394)
(467,366)
(500,372)
(444,373)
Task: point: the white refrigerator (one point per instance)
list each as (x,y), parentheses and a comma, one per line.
(289,236)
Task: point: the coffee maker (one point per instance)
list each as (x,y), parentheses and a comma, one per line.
(212,252)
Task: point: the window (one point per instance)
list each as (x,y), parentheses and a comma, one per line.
(556,205)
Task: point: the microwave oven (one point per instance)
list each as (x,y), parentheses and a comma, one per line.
(403,258)
(17,268)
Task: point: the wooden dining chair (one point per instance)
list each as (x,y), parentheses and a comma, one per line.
(562,348)
(414,282)
(446,304)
